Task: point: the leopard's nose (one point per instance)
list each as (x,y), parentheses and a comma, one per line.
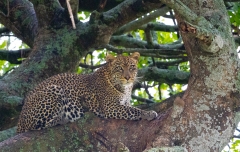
(127,77)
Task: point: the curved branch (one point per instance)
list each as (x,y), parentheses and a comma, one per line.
(103,25)
(20,18)
(127,11)
(143,20)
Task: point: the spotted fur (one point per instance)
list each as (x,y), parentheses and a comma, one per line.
(65,97)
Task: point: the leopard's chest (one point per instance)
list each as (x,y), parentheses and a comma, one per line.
(126,98)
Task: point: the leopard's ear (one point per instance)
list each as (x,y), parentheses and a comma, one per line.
(110,58)
(135,55)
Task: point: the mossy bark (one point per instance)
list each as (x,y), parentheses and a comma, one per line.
(202,119)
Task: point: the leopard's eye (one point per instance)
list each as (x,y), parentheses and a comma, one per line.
(118,68)
(132,67)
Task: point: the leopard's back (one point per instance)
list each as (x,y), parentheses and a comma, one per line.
(51,102)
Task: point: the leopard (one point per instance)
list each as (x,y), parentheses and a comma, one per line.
(66,97)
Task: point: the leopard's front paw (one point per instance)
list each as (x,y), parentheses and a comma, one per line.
(149,115)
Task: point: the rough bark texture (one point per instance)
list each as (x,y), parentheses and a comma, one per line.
(202,119)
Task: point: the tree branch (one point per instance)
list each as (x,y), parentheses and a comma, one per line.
(47,11)
(22,20)
(163,51)
(90,66)
(130,42)
(159,27)
(168,63)
(142,99)
(4,30)
(13,56)
(143,20)
(5,134)
(183,10)
(103,25)
(235,136)
(237,40)
(127,11)
(163,75)
(199,26)
(231,0)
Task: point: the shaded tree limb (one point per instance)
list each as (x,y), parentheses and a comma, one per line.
(24,26)
(161,51)
(110,22)
(4,30)
(142,99)
(91,5)
(231,0)
(183,10)
(92,67)
(130,42)
(237,40)
(163,75)
(169,63)
(159,27)
(235,136)
(46,11)
(12,56)
(133,25)
(5,134)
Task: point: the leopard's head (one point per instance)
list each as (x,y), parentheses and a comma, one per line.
(123,69)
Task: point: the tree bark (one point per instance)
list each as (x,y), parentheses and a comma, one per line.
(202,119)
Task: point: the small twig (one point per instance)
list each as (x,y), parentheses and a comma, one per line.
(147,91)
(236,136)
(8,8)
(70,13)
(92,61)
(159,91)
